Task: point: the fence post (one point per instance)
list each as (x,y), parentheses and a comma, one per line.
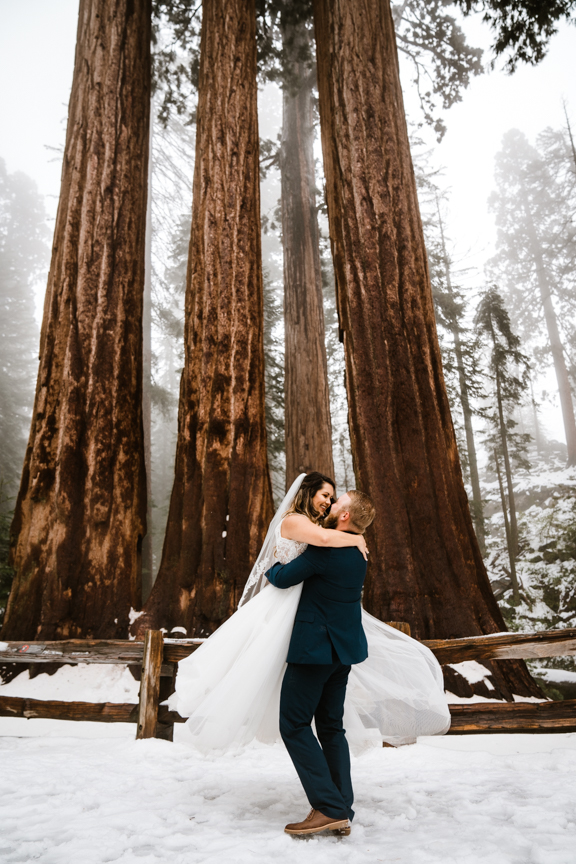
(167,685)
(403,626)
(150,684)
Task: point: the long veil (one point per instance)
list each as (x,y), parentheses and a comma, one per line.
(256,580)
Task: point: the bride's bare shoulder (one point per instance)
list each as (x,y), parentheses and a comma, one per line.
(291,523)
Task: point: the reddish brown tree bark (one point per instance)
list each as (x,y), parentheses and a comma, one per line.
(308,428)
(80,515)
(425,565)
(222,500)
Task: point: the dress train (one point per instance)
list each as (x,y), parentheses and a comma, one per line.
(229,688)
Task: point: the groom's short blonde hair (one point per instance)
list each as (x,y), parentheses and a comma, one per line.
(362,511)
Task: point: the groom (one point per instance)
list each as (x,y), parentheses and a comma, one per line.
(327,639)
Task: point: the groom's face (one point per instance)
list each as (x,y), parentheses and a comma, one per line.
(342,505)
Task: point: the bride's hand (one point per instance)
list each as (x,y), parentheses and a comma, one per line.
(361,543)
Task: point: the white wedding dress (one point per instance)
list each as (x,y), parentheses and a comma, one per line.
(229,688)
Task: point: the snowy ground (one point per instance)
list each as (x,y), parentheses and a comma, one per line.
(88,793)
(498,799)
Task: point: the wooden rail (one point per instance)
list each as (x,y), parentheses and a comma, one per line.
(495,646)
(513,717)
(93,712)
(103,712)
(505,646)
(158,659)
(114,651)
(467,719)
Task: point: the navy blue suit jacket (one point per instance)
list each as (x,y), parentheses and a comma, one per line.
(329,613)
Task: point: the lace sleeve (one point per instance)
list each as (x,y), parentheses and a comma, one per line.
(286,550)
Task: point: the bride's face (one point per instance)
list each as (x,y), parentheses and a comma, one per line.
(323,498)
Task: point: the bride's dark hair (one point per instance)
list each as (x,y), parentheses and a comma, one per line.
(311,484)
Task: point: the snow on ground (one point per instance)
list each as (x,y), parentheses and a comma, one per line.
(468,800)
(82,683)
(88,793)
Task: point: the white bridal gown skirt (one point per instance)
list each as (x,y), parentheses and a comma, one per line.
(229,688)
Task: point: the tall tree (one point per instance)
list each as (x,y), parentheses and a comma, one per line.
(557,147)
(274,345)
(221,501)
(308,429)
(436,46)
(343,467)
(425,564)
(147,543)
(536,254)
(465,355)
(168,229)
(458,346)
(6,572)
(430,38)
(24,255)
(80,515)
(509,371)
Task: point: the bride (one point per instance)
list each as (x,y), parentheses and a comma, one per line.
(229,688)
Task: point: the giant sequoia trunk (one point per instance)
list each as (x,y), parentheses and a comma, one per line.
(80,515)
(308,431)
(425,564)
(222,500)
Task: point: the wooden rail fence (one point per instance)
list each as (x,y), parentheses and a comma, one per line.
(158,659)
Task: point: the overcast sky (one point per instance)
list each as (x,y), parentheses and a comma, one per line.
(529,100)
(37,39)
(36,60)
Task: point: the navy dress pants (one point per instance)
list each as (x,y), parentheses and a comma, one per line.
(323,763)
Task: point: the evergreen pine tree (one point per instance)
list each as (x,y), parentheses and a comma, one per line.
(274,379)
(23,257)
(458,345)
(522,28)
(508,371)
(6,571)
(536,257)
(343,467)
(169,283)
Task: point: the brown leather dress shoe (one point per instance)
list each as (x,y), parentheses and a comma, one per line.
(316,822)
